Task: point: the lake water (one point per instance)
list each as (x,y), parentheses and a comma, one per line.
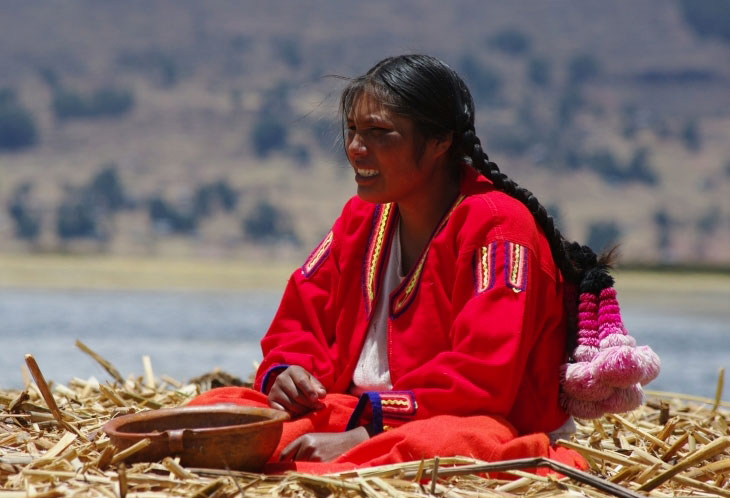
(189,333)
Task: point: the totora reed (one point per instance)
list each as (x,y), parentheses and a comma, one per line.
(51,444)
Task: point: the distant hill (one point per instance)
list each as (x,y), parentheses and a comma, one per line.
(186,128)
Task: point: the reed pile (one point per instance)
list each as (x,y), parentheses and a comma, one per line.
(673,445)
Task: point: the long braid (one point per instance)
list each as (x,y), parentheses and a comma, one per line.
(576,262)
(605,369)
(571,266)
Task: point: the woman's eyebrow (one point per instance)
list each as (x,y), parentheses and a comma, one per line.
(369,119)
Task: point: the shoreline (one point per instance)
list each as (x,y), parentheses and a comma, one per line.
(100,272)
(110,273)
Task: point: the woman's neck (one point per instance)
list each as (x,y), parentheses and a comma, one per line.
(419,217)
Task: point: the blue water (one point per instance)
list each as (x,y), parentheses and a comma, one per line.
(187,334)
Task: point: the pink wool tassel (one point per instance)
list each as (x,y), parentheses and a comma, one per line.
(587,328)
(580,382)
(608,369)
(619,366)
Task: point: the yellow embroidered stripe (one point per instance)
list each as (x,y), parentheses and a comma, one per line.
(395,402)
(398,403)
(375,252)
(485,267)
(517,266)
(404,294)
(318,255)
(403,300)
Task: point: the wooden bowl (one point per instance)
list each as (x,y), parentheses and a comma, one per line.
(216,436)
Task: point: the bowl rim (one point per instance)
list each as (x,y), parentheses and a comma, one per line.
(112,427)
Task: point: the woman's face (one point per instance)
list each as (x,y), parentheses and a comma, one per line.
(391,164)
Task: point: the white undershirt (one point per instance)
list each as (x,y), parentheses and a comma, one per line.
(372,372)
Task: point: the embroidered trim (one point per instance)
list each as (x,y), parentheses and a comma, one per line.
(377,245)
(317,256)
(400,304)
(270,376)
(395,404)
(404,294)
(515,266)
(398,403)
(484,258)
(367,399)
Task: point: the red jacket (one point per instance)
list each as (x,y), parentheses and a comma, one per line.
(476,327)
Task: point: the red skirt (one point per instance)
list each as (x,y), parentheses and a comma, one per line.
(481,437)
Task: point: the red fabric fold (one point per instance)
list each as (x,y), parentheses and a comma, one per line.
(481,437)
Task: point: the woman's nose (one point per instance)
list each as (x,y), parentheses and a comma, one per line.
(356,146)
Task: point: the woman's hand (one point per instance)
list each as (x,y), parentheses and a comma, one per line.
(296,391)
(323,446)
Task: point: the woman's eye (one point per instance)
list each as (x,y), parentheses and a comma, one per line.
(369,131)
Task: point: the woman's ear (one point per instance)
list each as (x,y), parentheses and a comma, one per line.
(442,144)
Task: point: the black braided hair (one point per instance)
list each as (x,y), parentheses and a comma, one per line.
(435,98)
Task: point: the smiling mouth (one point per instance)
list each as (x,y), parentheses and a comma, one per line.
(367,173)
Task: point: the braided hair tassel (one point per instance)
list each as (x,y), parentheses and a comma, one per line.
(607,368)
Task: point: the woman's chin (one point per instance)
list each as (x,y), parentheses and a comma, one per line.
(368,194)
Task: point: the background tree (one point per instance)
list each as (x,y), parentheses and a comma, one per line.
(582,68)
(485,83)
(26,219)
(104,102)
(707,225)
(639,168)
(268,135)
(538,71)
(267,224)
(707,17)
(212,196)
(569,103)
(161,67)
(289,51)
(17,126)
(664,225)
(87,210)
(106,189)
(169,219)
(603,235)
(510,41)
(691,135)
(76,219)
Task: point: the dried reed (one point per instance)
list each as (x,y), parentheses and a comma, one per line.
(51,445)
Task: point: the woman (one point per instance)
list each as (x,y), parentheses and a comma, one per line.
(435,303)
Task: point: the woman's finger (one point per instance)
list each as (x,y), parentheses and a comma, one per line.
(318,387)
(290,450)
(294,394)
(286,385)
(280,399)
(299,389)
(306,385)
(285,394)
(276,406)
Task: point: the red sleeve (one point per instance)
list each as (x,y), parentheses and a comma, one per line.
(504,303)
(302,331)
